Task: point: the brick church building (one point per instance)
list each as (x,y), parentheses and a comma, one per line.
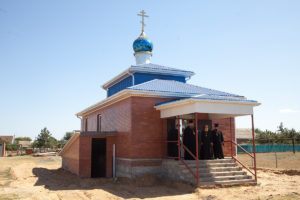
(125,134)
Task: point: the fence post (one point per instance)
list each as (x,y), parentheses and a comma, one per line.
(276,158)
(293,140)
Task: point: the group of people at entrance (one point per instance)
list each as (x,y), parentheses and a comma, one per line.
(210,142)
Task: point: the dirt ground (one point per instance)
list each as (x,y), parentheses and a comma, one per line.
(42,178)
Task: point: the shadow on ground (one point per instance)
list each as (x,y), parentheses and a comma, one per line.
(144,187)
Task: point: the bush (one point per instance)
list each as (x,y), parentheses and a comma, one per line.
(11,147)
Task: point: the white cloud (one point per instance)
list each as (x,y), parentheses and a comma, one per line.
(288,110)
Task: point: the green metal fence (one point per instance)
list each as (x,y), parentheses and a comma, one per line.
(269,148)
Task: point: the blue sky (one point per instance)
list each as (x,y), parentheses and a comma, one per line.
(55,55)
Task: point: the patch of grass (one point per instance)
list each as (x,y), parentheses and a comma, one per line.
(5,174)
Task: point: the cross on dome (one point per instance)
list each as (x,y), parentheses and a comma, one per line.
(143,15)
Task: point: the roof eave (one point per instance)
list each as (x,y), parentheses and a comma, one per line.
(116,79)
(125,74)
(185,74)
(124,94)
(187,101)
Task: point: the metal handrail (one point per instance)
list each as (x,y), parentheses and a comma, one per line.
(235,159)
(244,166)
(186,165)
(243,149)
(188,150)
(191,171)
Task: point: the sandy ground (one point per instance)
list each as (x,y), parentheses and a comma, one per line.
(42,178)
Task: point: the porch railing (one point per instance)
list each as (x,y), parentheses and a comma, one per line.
(252,156)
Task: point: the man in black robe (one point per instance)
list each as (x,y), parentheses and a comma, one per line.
(172,146)
(189,140)
(206,144)
(218,142)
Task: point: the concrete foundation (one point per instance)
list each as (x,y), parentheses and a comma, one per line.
(133,168)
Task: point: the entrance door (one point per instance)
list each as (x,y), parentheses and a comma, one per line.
(98,157)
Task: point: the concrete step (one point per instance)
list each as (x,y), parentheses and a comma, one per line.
(209,165)
(213,174)
(224,178)
(214,169)
(228,183)
(210,161)
(201,162)
(221,174)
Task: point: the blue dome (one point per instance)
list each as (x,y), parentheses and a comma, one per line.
(142,43)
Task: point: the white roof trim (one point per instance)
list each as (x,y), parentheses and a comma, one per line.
(215,108)
(120,96)
(188,101)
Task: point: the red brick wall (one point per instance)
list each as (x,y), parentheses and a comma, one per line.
(147,133)
(85,151)
(116,117)
(228,134)
(138,124)
(113,117)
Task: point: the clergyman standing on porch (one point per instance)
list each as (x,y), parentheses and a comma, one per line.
(218,142)
(189,140)
(206,144)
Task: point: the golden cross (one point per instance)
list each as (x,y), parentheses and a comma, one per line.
(143,14)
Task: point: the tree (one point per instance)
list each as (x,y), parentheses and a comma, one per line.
(67,136)
(281,133)
(44,139)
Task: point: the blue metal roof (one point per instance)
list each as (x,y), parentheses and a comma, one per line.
(207,97)
(159,69)
(178,89)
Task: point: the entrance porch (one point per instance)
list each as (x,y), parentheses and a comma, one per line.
(209,111)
